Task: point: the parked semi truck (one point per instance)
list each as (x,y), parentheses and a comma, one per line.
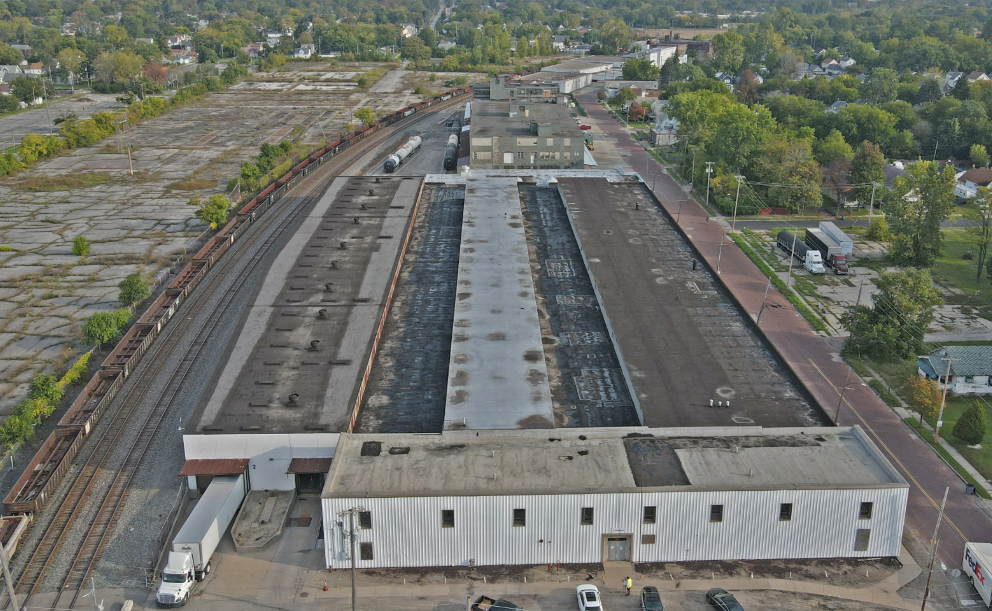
(834,232)
(196,541)
(809,257)
(831,252)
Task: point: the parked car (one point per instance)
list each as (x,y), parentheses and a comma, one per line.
(486,603)
(588,597)
(651,600)
(584,127)
(723,600)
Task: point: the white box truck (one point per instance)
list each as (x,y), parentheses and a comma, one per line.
(978,565)
(196,541)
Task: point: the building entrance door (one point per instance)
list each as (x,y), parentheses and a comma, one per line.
(618,549)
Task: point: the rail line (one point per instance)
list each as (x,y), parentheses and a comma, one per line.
(40,566)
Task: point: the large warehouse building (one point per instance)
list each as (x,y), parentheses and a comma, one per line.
(524,366)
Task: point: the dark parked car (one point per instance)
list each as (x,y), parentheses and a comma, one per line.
(723,600)
(651,600)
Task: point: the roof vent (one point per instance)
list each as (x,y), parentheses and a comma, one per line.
(371,448)
(399,450)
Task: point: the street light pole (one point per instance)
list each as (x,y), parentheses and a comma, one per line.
(709,173)
(719,257)
(733,227)
(763,300)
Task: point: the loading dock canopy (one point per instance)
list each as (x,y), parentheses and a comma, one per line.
(214,466)
(309,465)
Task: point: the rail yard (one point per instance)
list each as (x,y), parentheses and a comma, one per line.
(88,505)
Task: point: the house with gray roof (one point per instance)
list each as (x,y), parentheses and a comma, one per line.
(970,368)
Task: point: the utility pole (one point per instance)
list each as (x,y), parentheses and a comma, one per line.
(719,257)
(763,300)
(933,550)
(792,258)
(709,173)
(733,227)
(943,399)
(871,208)
(351,528)
(6,577)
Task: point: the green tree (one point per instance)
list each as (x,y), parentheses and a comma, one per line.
(615,36)
(923,395)
(880,85)
(251,175)
(970,427)
(669,72)
(922,198)
(879,230)
(788,164)
(981,232)
(729,51)
(889,330)
(365,115)
(133,289)
(105,327)
(212,211)
(80,246)
(962,88)
(428,37)
(639,69)
(414,49)
(623,96)
(71,61)
(929,91)
(858,123)
(979,156)
(830,149)
(46,387)
(866,171)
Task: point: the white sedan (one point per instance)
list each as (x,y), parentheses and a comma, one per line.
(588,597)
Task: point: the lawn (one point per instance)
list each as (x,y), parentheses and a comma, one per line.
(896,374)
(953,270)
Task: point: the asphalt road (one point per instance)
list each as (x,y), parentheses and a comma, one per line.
(815,360)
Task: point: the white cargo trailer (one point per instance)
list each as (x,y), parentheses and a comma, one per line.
(978,565)
(199,537)
(843,240)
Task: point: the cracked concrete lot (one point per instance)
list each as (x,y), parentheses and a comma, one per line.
(141,221)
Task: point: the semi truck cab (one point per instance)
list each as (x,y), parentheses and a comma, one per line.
(178,578)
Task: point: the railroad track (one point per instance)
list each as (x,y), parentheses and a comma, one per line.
(40,566)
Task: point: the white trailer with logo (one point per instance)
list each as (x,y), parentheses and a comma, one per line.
(978,565)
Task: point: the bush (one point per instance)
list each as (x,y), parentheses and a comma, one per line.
(106,327)
(16,429)
(45,387)
(970,427)
(968,255)
(213,211)
(80,368)
(879,230)
(80,246)
(133,289)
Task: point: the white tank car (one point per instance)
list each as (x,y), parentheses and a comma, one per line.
(394,160)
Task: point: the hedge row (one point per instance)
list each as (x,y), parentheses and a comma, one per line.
(44,395)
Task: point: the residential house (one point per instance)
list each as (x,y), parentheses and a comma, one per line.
(409,30)
(760,79)
(272,39)
(24,49)
(150,41)
(829,62)
(846,62)
(180,41)
(253,49)
(446,44)
(970,368)
(892,171)
(950,81)
(305,51)
(666,128)
(836,106)
(728,79)
(11,69)
(976,76)
(580,50)
(68,29)
(969,181)
(35,69)
(559,42)
(181,57)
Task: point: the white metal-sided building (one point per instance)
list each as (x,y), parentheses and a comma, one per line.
(466,498)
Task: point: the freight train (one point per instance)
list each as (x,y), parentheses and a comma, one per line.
(451,153)
(394,160)
(46,470)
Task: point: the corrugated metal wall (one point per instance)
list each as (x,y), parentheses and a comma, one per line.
(407,531)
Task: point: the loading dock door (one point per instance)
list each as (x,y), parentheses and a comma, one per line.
(618,549)
(310,474)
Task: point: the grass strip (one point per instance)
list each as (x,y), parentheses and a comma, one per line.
(890,399)
(928,437)
(815,321)
(66,182)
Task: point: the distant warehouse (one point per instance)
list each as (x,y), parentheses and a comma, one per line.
(585,496)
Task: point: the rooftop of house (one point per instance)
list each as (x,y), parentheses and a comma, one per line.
(603,460)
(979,176)
(965,361)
